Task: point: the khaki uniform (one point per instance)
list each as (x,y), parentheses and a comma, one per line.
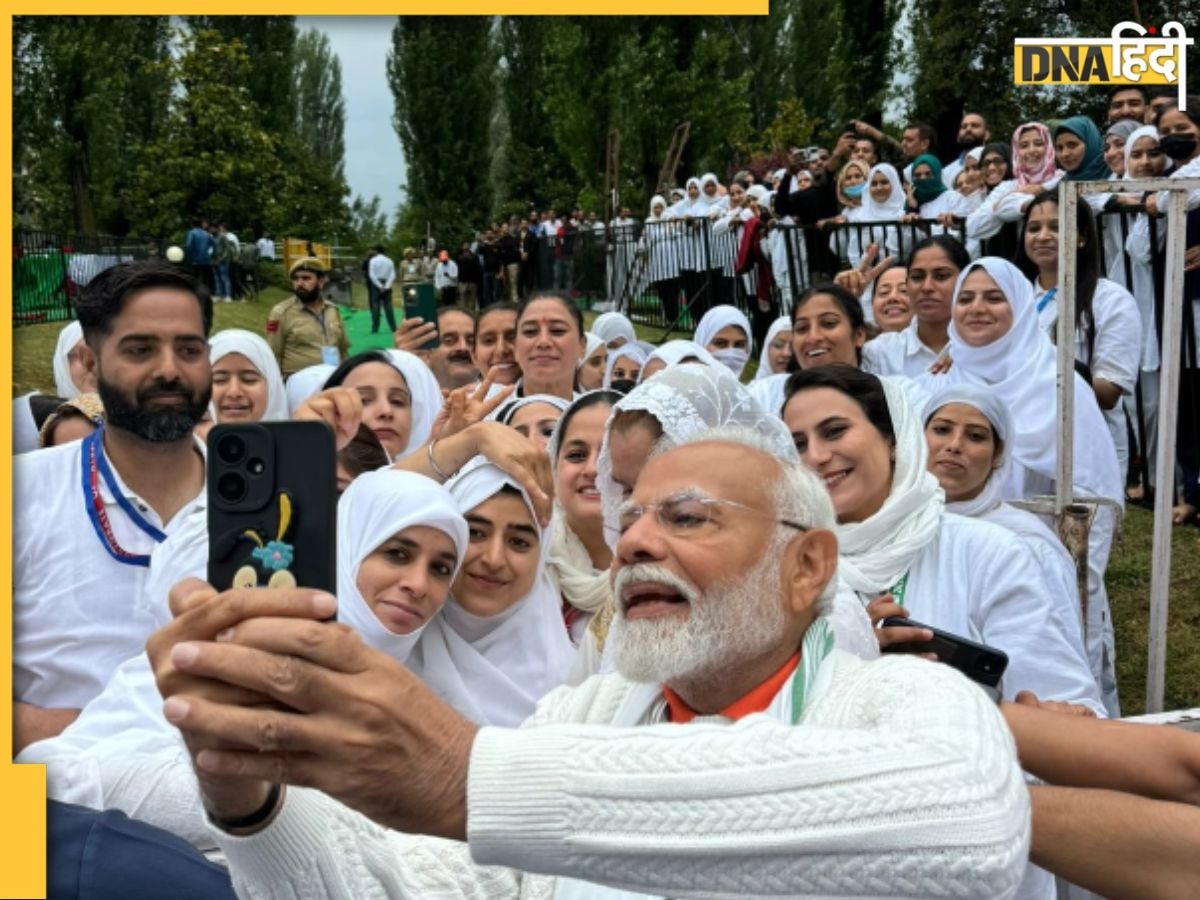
(297,335)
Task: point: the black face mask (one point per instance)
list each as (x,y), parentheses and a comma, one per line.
(1178,146)
(623,386)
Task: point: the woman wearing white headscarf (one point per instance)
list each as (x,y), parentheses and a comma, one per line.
(678,405)
(883,201)
(306,382)
(969,456)
(629,358)
(725,333)
(614,329)
(776,349)
(659,248)
(674,353)
(122,754)
(591,366)
(494,668)
(70,378)
(895,537)
(231,392)
(384,414)
(1020,366)
(534,416)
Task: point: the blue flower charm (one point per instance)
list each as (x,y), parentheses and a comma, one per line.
(276,555)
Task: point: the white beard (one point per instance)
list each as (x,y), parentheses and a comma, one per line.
(732,621)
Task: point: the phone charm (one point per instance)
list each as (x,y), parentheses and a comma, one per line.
(274,556)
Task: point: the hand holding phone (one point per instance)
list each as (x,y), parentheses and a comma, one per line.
(979,662)
(420,302)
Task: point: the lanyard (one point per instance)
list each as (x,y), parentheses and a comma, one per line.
(1046,298)
(320,321)
(95,466)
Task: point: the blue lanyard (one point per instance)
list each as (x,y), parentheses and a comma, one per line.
(95,466)
(1049,295)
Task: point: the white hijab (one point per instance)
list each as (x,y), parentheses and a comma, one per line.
(780,325)
(64,386)
(258,351)
(376,506)
(875,553)
(1021,368)
(721,317)
(612,325)
(675,352)
(890,209)
(305,383)
(632,351)
(25,429)
(495,669)
(570,565)
(594,343)
(426,396)
(992,407)
(704,203)
(506,411)
(1146,131)
(656,200)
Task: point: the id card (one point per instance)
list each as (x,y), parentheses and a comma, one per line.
(329,355)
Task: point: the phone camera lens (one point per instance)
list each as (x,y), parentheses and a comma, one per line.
(987,666)
(231,487)
(256,466)
(231,449)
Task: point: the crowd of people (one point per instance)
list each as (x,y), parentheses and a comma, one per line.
(617,620)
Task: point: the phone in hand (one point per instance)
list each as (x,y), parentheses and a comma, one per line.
(272,506)
(979,662)
(420,300)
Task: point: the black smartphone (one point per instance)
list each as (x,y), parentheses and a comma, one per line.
(421,300)
(272,506)
(979,662)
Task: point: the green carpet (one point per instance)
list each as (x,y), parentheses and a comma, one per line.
(358,330)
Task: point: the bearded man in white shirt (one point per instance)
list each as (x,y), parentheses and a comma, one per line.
(87,514)
(801,771)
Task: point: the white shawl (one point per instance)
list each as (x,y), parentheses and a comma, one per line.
(783,323)
(306,383)
(64,386)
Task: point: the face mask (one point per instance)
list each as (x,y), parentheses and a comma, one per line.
(927,189)
(624,385)
(732,358)
(855,191)
(1178,146)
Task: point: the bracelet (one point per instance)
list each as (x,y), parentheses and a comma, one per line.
(437,470)
(254,819)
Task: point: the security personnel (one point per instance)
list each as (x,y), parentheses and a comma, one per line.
(306,329)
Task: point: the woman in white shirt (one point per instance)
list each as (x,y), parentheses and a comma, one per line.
(725,333)
(776,356)
(247,384)
(902,553)
(1108,328)
(996,342)
(658,246)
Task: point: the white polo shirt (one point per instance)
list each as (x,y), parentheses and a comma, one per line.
(898,353)
(77,612)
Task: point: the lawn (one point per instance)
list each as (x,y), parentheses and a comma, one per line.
(1128,569)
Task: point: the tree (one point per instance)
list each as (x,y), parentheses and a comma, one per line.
(368,223)
(442,72)
(85,100)
(320,120)
(213,157)
(270,43)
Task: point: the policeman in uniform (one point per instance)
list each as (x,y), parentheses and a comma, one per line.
(306,329)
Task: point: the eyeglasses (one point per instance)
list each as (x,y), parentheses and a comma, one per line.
(684,515)
(991,163)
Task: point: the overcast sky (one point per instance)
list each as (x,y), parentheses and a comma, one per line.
(374,160)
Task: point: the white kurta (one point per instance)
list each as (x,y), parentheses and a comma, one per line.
(898,353)
(980,581)
(1117,351)
(708,809)
(76,615)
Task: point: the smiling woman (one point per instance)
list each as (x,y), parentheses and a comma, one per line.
(550,343)
(247,385)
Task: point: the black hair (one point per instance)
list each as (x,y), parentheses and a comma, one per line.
(498,306)
(952,246)
(926,131)
(862,387)
(378,248)
(999,149)
(339,375)
(562,298)
(363,454)
(42,405)
(1122,88)
(846,301)
(455,307)
(1192,112)
(101,299)
(1087,262)
(590,399)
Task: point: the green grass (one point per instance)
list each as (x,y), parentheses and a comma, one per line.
(1128,569)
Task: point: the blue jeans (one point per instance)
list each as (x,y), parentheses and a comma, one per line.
(221,276)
